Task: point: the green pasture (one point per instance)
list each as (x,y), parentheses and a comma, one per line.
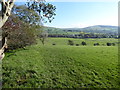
(62,65)
(89,41)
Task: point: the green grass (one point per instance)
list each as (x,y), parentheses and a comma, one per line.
(62,66)
(90,42)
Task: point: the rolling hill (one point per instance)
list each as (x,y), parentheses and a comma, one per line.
(95,29)
(91,29)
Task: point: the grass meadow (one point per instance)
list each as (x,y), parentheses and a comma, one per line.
(62,65)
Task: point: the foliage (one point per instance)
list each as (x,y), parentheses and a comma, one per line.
(70,42)
(113,44)
(45,10)
(19,33)
(42,35)
(35,12)
(96,44)
(28,16)
(108,44)
(53,44)
(77,44)
(83,43)
(22,33)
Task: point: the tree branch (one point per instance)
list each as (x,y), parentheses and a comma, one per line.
(6,9)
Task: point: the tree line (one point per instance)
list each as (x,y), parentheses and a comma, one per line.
(85,35)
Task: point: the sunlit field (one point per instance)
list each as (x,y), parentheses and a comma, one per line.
(59,65)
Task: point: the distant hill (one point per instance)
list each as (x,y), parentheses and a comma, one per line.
(53,30)
(95,29)
(91,29)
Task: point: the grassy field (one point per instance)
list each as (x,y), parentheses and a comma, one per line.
(90,42)
(62,66)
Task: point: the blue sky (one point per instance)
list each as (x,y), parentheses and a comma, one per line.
(79,13)
(82,14)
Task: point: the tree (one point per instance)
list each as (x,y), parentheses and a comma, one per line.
(20,34)
(4,14)
(83,43)
(108,44)
(42,36)
(35,12)
(70,42)
(77,44)
(96,44)
(28,16)
(5,11)
(46,11)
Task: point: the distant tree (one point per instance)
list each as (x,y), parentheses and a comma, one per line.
(118,36)
(108,44)
(113,44)
(70,42)
(103,44)
(96,44)
(43,36)
(83,43)
(77,44)
(53,44)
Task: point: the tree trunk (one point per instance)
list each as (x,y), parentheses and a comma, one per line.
(6,10)
(4,14)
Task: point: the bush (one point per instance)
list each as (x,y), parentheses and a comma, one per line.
(113,44)
(103,44)
(108,44)
(83,43)
(19,34)
(53,44)
(96,44)
(70,42)
(77,44)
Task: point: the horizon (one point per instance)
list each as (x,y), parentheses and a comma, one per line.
(84,27)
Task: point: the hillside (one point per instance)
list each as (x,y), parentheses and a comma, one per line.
(95,29)
(91,29)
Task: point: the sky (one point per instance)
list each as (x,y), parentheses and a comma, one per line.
(83,13)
